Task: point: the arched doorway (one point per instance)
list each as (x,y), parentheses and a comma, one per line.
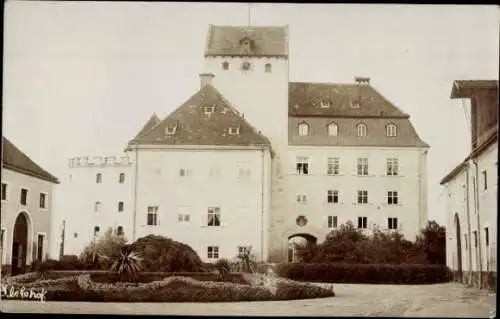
(298,240)
(459,246)
(20,244)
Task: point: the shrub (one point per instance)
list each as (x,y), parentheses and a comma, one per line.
(127,265)
(365,273)
(100,254)
(6,270)
(223,267)
(163,254)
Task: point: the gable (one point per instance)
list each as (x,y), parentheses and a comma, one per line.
(191,125)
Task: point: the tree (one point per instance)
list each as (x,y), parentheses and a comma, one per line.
(99,254)
(432,241)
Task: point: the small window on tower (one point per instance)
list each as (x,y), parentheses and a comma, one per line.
(170,130)
(355,104)
(325,104)
(234,130)
(225,65)
(268,68)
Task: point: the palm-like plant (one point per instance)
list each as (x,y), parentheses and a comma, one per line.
(127,265)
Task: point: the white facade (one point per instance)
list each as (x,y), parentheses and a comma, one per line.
(472,197)
(38,218)
(89,203)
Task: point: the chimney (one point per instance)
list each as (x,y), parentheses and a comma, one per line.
(206,78)
(361,80)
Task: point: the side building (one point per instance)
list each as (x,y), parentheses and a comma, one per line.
(472,190)
(26,214)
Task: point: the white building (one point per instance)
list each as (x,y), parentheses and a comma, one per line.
(472,188)
(253,159)
(27,209)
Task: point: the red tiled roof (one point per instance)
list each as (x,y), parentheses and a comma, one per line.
(194,127)
(14,159)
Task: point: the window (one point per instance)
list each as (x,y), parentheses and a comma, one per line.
(325,104)
(391,130)
(186,218)
(362,222)
(332,221)
(242,250)
(486,237)
(332,166)
(209,109)
(4,191)
(243,173)
(303,129)
(24,196)
(213,216)
(120,206)
(362,166)
(362,197)
(43,200)
(121,178)
(392,223)
(268,68)
(152,215)
(332,129)
(183,218)
(98,178)
(97,207)
(2,238)
(39,247)
(485,180)
(392,166)
(184,172)
(301,198)
(170,130)
(75,235)
(466,245)
(361,128)
(213,252)
(225,65)
(475,238)
(234,130)
(333,196)
(96,231)
(355,104)
(392,198)
(119,231)
(302,166)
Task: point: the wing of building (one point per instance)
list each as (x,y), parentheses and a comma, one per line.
(472,189)
(26,209)
(252,159)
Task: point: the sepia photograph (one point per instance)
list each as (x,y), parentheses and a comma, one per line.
(257,159)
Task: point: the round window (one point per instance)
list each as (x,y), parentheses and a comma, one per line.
(301,221)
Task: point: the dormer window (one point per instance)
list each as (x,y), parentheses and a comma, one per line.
(391,130)
(170,130)
(333,129)
(268,68)
(361,128)
(234,130)
(325,104)
(355,104)
(209,110)
(246,44)
(303,129)
(225,65)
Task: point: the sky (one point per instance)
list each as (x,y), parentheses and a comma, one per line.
(82,78)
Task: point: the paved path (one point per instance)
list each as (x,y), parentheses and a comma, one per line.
(443,300)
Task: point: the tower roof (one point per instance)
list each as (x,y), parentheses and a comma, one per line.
(191,124)
(265,41)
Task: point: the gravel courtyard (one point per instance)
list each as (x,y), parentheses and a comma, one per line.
(442,300)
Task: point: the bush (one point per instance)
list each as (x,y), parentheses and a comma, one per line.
(6,270)
(163,254)
(100,254)
(365,273)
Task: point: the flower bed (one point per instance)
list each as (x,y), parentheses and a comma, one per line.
(175,289)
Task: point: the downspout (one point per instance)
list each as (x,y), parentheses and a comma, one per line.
(262,207)
(476,207)
(134,221)
(468,242)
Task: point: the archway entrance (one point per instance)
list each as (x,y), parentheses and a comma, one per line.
(19,244)
(459,246)
(295,242)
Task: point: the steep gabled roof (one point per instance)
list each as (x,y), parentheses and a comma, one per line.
(304,99)
(150,124)
(193,127)
(266,41)
(14,159)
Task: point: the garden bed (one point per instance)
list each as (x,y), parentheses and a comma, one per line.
(172,288)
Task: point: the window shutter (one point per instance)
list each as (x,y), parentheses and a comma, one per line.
(325,221)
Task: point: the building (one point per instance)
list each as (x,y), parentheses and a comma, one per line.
(252,159)
(471,189)
(26,214)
